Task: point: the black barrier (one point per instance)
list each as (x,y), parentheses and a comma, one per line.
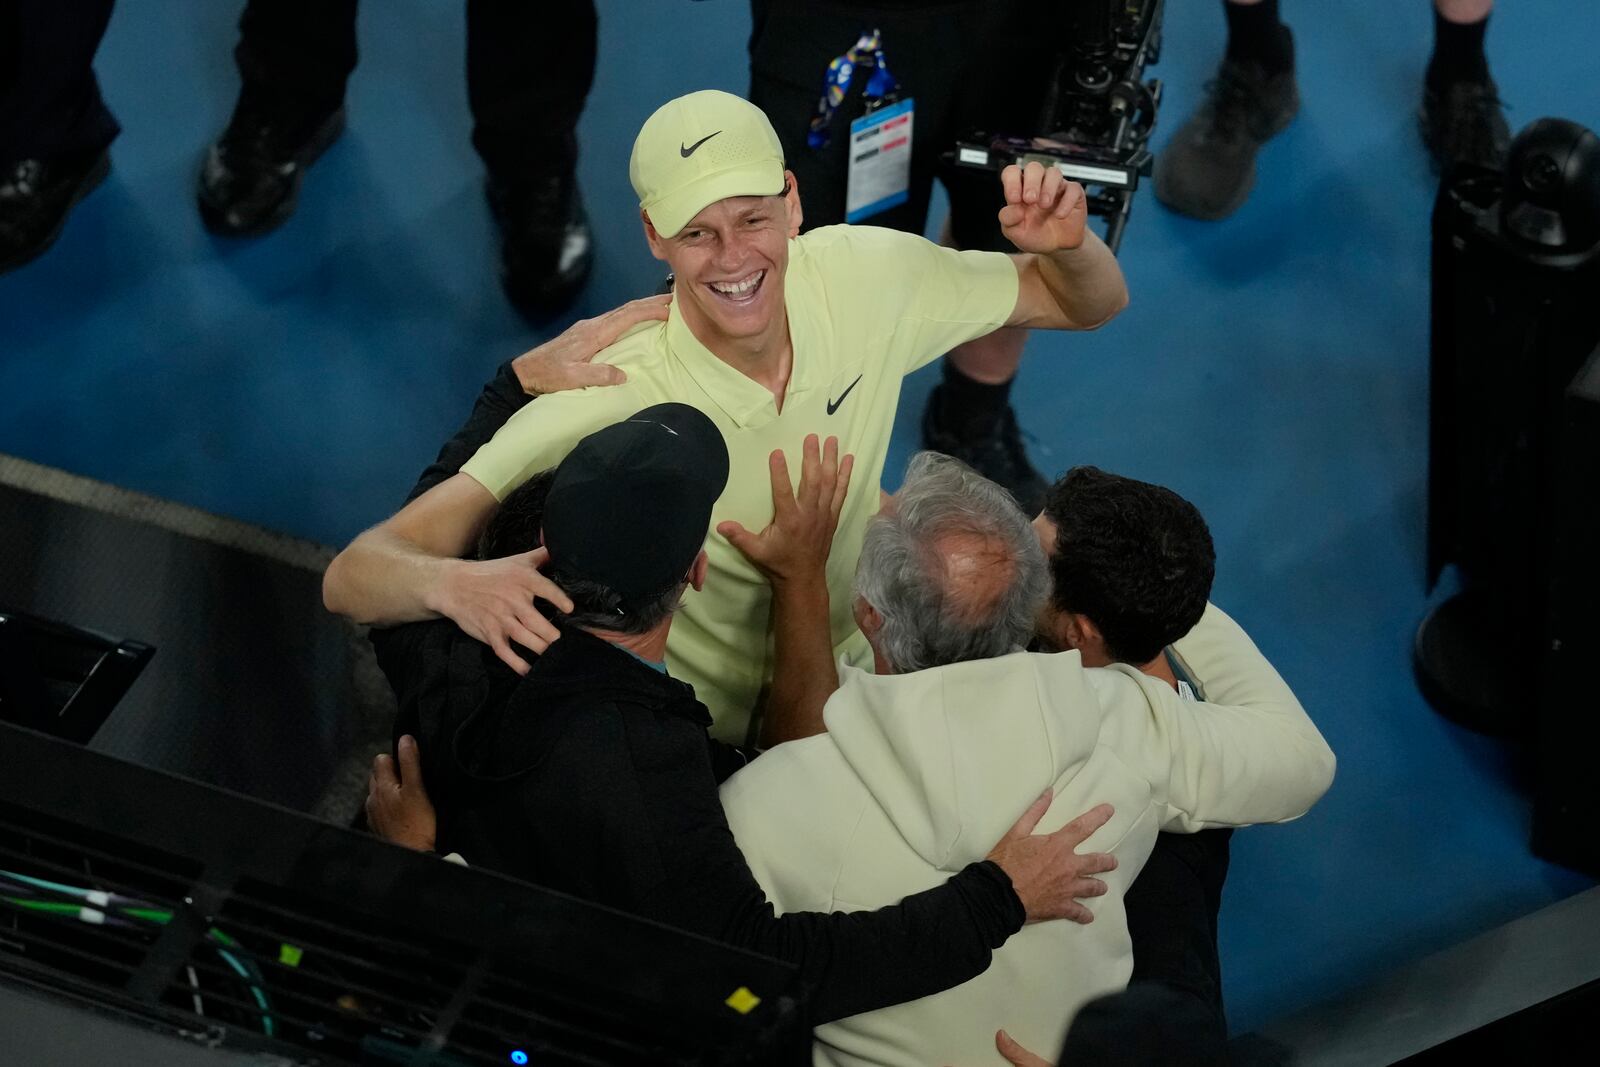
(213,918)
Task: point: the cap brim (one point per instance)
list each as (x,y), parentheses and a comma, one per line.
(672,212)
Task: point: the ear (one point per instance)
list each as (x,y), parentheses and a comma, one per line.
(657,243)
(867,618)
(792,201)
(697,572)
(1082,634)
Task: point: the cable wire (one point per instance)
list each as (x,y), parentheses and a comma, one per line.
(133,909)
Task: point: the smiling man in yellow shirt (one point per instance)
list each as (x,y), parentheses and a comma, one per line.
(774,336)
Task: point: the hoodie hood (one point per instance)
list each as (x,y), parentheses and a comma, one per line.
(954,755)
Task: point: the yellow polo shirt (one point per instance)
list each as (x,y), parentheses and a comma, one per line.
(866,307)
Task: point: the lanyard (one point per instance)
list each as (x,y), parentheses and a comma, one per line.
(882,87)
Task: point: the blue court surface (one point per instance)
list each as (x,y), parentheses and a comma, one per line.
(1271,367)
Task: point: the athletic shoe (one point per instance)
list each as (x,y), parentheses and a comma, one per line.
(994,451)
(1206,171)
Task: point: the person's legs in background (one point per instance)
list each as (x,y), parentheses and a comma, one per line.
(1206,171)
(1208,167)
(54,127)
(1461,117)
(944,57)
(1172,911)
(969,414)
(294,58)
(529,69)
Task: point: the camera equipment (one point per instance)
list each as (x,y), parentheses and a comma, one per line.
(1096,118)
(1514,435)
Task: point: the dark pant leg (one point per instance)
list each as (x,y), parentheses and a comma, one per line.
(529,69)
(1003,84)
(50,103)
(295,56)
(793,43)
(1148,1025)
(1172,915)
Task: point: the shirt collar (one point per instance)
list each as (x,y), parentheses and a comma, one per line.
(747,402)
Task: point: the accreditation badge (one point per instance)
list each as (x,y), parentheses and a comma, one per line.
(880,161)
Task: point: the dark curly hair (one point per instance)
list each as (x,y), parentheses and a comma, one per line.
(1135,558)
(515,526)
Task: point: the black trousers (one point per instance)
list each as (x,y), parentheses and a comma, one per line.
(968,64)
(50,102)
(1172,917)
(529,69)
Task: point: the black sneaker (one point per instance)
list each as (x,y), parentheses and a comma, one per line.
(250,177)
(36,195)
(995,451)
(1464,123)
(546,249)
(1208,168)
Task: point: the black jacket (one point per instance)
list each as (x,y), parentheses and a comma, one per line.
(597,777)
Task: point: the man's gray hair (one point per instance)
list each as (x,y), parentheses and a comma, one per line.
(953,567)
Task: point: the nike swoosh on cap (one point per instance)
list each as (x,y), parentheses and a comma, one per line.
(687,152)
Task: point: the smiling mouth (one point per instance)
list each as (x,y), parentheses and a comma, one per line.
(743,291)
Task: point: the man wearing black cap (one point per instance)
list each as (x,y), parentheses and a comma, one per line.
(598,777)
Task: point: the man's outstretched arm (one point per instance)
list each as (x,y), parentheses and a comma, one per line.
(407,568)
(1067,279)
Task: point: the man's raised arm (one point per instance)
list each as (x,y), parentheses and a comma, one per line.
(1067,279)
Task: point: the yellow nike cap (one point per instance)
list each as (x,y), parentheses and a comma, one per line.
(699,149)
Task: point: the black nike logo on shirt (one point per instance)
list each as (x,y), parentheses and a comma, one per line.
(687,152)
(833,405)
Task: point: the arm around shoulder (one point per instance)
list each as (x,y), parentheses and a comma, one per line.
(395,571)
(1249,754)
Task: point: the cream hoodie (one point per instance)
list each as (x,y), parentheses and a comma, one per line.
(920,774)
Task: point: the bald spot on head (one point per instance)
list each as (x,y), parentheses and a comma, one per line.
(975,571)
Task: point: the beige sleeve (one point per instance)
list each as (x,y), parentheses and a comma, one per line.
(1248,754)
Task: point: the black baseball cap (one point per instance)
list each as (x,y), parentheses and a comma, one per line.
(631,504)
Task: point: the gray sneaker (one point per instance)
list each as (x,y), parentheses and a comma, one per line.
(1207,170)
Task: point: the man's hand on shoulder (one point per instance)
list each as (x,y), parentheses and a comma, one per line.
(398,808)
(1044,212)
(1046,871)
(492,601)
(566,362)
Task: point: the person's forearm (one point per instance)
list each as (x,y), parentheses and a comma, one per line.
(1248,754)
(803,675)
(1086,282)
(865,960)
(383,580)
